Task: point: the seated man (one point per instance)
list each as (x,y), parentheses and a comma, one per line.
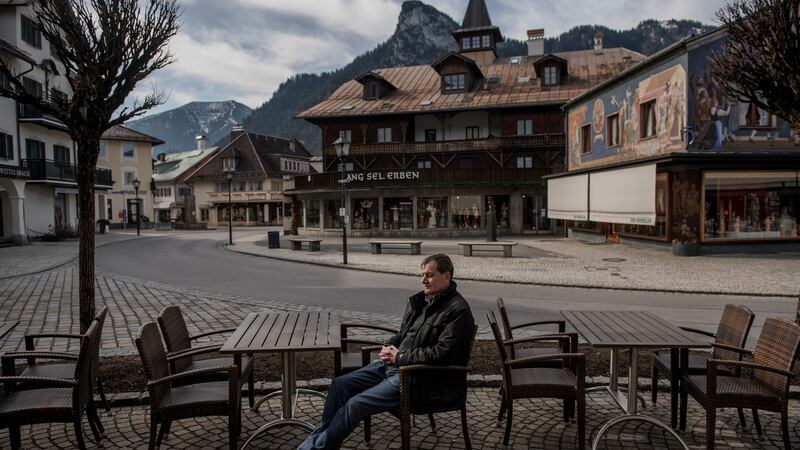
(436,329)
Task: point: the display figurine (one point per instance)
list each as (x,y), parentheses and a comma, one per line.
(737,224)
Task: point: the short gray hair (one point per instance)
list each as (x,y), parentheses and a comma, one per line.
(443,263)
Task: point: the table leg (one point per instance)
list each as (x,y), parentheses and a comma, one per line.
(684,370)
(633,380)
(675,383)
(613,377)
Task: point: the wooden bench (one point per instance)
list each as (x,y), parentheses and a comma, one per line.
(377,246)
(505,247)
(313,244)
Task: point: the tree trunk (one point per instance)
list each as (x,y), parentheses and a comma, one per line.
(86,213)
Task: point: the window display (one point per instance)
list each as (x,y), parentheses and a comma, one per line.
(432,213)
(398,213)
(501,209)
(466,211)
(312,213)
(751,205)
(365,214)
(332,218)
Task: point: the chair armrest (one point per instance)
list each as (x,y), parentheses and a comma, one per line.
(188,353)
(30,338)
(696,331)
(365,353)
(346,341)
(211,333)
(40,355)
(231,370)
(741,351)
(752,365)
(561,324)
(50,382)
(345,326)
(540,358)
(541,338)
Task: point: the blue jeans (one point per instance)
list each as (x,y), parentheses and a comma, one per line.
(373,389)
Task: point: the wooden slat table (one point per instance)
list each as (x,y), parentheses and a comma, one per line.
(633,330)
(6,327)
(287,334)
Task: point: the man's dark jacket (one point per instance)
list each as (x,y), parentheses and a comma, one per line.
(444,339)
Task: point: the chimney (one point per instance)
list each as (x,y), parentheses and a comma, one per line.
(536,42)
(598,42)
(161,157)
(237,131)
(201,142)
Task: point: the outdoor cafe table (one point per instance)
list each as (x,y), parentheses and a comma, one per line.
(634,330)
(287,334)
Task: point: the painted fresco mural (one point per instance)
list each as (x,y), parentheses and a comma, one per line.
(666,85)
(720,121)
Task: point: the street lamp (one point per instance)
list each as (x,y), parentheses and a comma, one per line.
(229,177)
(342,146)
(136,184)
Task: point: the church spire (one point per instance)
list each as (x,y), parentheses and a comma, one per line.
(477,37)
(477,15)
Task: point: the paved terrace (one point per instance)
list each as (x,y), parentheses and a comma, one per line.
(45,299)
(568,262)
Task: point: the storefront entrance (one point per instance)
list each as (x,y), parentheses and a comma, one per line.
(534,213)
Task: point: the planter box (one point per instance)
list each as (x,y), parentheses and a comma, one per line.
(685,249)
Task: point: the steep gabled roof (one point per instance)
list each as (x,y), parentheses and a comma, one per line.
(476,70)
(121,133)
(477,19)
(375,76)
(177,164)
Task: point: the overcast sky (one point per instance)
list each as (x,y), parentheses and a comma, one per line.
(243,49)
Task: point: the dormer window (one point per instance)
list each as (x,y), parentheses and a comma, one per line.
(486,41)
(550,76)
(229,164)
(465,43)
(371,91)
(476,42)
(374,86)
(453,82)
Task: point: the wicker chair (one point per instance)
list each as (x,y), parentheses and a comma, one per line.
(179,343)
(521,380)
(169,402)
(346,360)
(516,353)
(54,399)
(767,386)
(734,326)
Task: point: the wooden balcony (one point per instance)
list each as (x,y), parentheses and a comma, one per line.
(417,178)
(535,141)
(245,197)
(45,169)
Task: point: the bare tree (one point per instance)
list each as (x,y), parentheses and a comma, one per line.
(760,62)
(107,47)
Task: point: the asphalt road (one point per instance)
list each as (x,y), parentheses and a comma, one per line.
(197,260)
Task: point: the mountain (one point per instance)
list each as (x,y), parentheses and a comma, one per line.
(178,127)
(422,36)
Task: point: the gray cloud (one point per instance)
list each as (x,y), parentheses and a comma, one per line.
(243,49)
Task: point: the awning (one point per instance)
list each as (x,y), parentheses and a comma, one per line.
(568,197)
(626,196)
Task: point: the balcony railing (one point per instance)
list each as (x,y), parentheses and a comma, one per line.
(543,140)
(245,197)
(45,169)
(32,114)
(419,178)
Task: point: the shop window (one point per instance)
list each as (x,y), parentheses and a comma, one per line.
(365,214)
(758,118)
(524,162)
(424,164)
(612,130)
(466,211)
(524,127)
(312,213)
(6,146)
(384,135)
(647,115)
(453,83)
(432,213)
(398,213)
(592,227)
(751,205)
(501,205)
(430,135)
(586,139)
(332,217)
(473,132)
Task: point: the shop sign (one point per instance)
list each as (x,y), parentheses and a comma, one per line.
(382,176)
(11,171)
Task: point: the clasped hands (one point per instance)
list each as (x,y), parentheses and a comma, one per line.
(388,354)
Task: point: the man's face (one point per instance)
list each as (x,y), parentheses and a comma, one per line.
(433,281)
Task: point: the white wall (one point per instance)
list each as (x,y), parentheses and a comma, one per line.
(39,212)
(201,190)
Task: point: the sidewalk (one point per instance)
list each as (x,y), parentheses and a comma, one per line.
(569,263)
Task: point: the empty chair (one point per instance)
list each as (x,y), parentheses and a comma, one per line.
(186,394)
(733,329)
(529,351)
(765,387)
(521,380)
(52,399)
(181,353)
